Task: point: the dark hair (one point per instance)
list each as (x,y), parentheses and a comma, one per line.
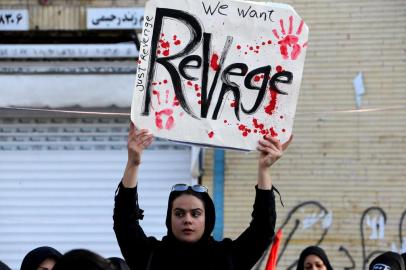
(36,256)
(210,215)
(82,259)
(313,250)
(4,266)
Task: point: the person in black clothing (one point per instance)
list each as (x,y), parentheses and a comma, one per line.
(190,219)
(3,266)
(43,258)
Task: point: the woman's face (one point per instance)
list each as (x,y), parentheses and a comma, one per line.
(47,264)
(188,218)
(313,262)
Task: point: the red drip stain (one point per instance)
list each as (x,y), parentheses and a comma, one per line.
(175,37)
(175,102)
(245,134)
(257,78)
(233,104)
(269,109)
(177,42)
(166,53)
(214,62)
(238,47)
(158,96)
(273,132)
(196,87)
(279,69)
(211,134)
(166,96)
(189,83)
(170,121)
(241,127)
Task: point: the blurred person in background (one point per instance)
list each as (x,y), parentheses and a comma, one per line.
(41,258)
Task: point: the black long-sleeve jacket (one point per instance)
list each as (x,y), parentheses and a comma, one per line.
(142,252)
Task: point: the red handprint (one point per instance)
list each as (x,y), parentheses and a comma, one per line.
(289,40)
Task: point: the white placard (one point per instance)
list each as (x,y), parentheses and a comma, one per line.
(14,20)
(115,18)
(219,73)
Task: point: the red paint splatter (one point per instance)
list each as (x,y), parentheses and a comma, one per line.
(257,78)
(198,94)
(225,121)
(251,48)
(269,109)
(273,132)
(238,47)
(165,81)
(196,87)
(211,134)
(241,127)
(279,69)
(281,117)
(269,41)
(170,121)
(177,42)
(283,130)
(189,83)
(233,104)
(166,53)
(165,44)
(214,62)
(175,37)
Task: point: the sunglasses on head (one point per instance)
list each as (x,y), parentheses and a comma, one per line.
(195,188)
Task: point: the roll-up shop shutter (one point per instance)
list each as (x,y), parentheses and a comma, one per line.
(57,182)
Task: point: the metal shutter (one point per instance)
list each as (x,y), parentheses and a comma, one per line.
(57,183)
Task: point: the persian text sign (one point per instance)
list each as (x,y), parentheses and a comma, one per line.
(219,73)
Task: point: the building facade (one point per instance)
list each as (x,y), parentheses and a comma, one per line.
(341,180)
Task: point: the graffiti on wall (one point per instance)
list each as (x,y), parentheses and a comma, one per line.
(312,220)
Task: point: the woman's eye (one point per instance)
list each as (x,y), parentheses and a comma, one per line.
(196,213)
(179,214)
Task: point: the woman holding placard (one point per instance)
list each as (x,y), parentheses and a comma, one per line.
(190,219)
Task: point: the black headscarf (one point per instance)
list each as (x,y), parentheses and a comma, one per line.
(313,250)
(36,256)
(404,258)
(387,261)
(3,266)
(210,215)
